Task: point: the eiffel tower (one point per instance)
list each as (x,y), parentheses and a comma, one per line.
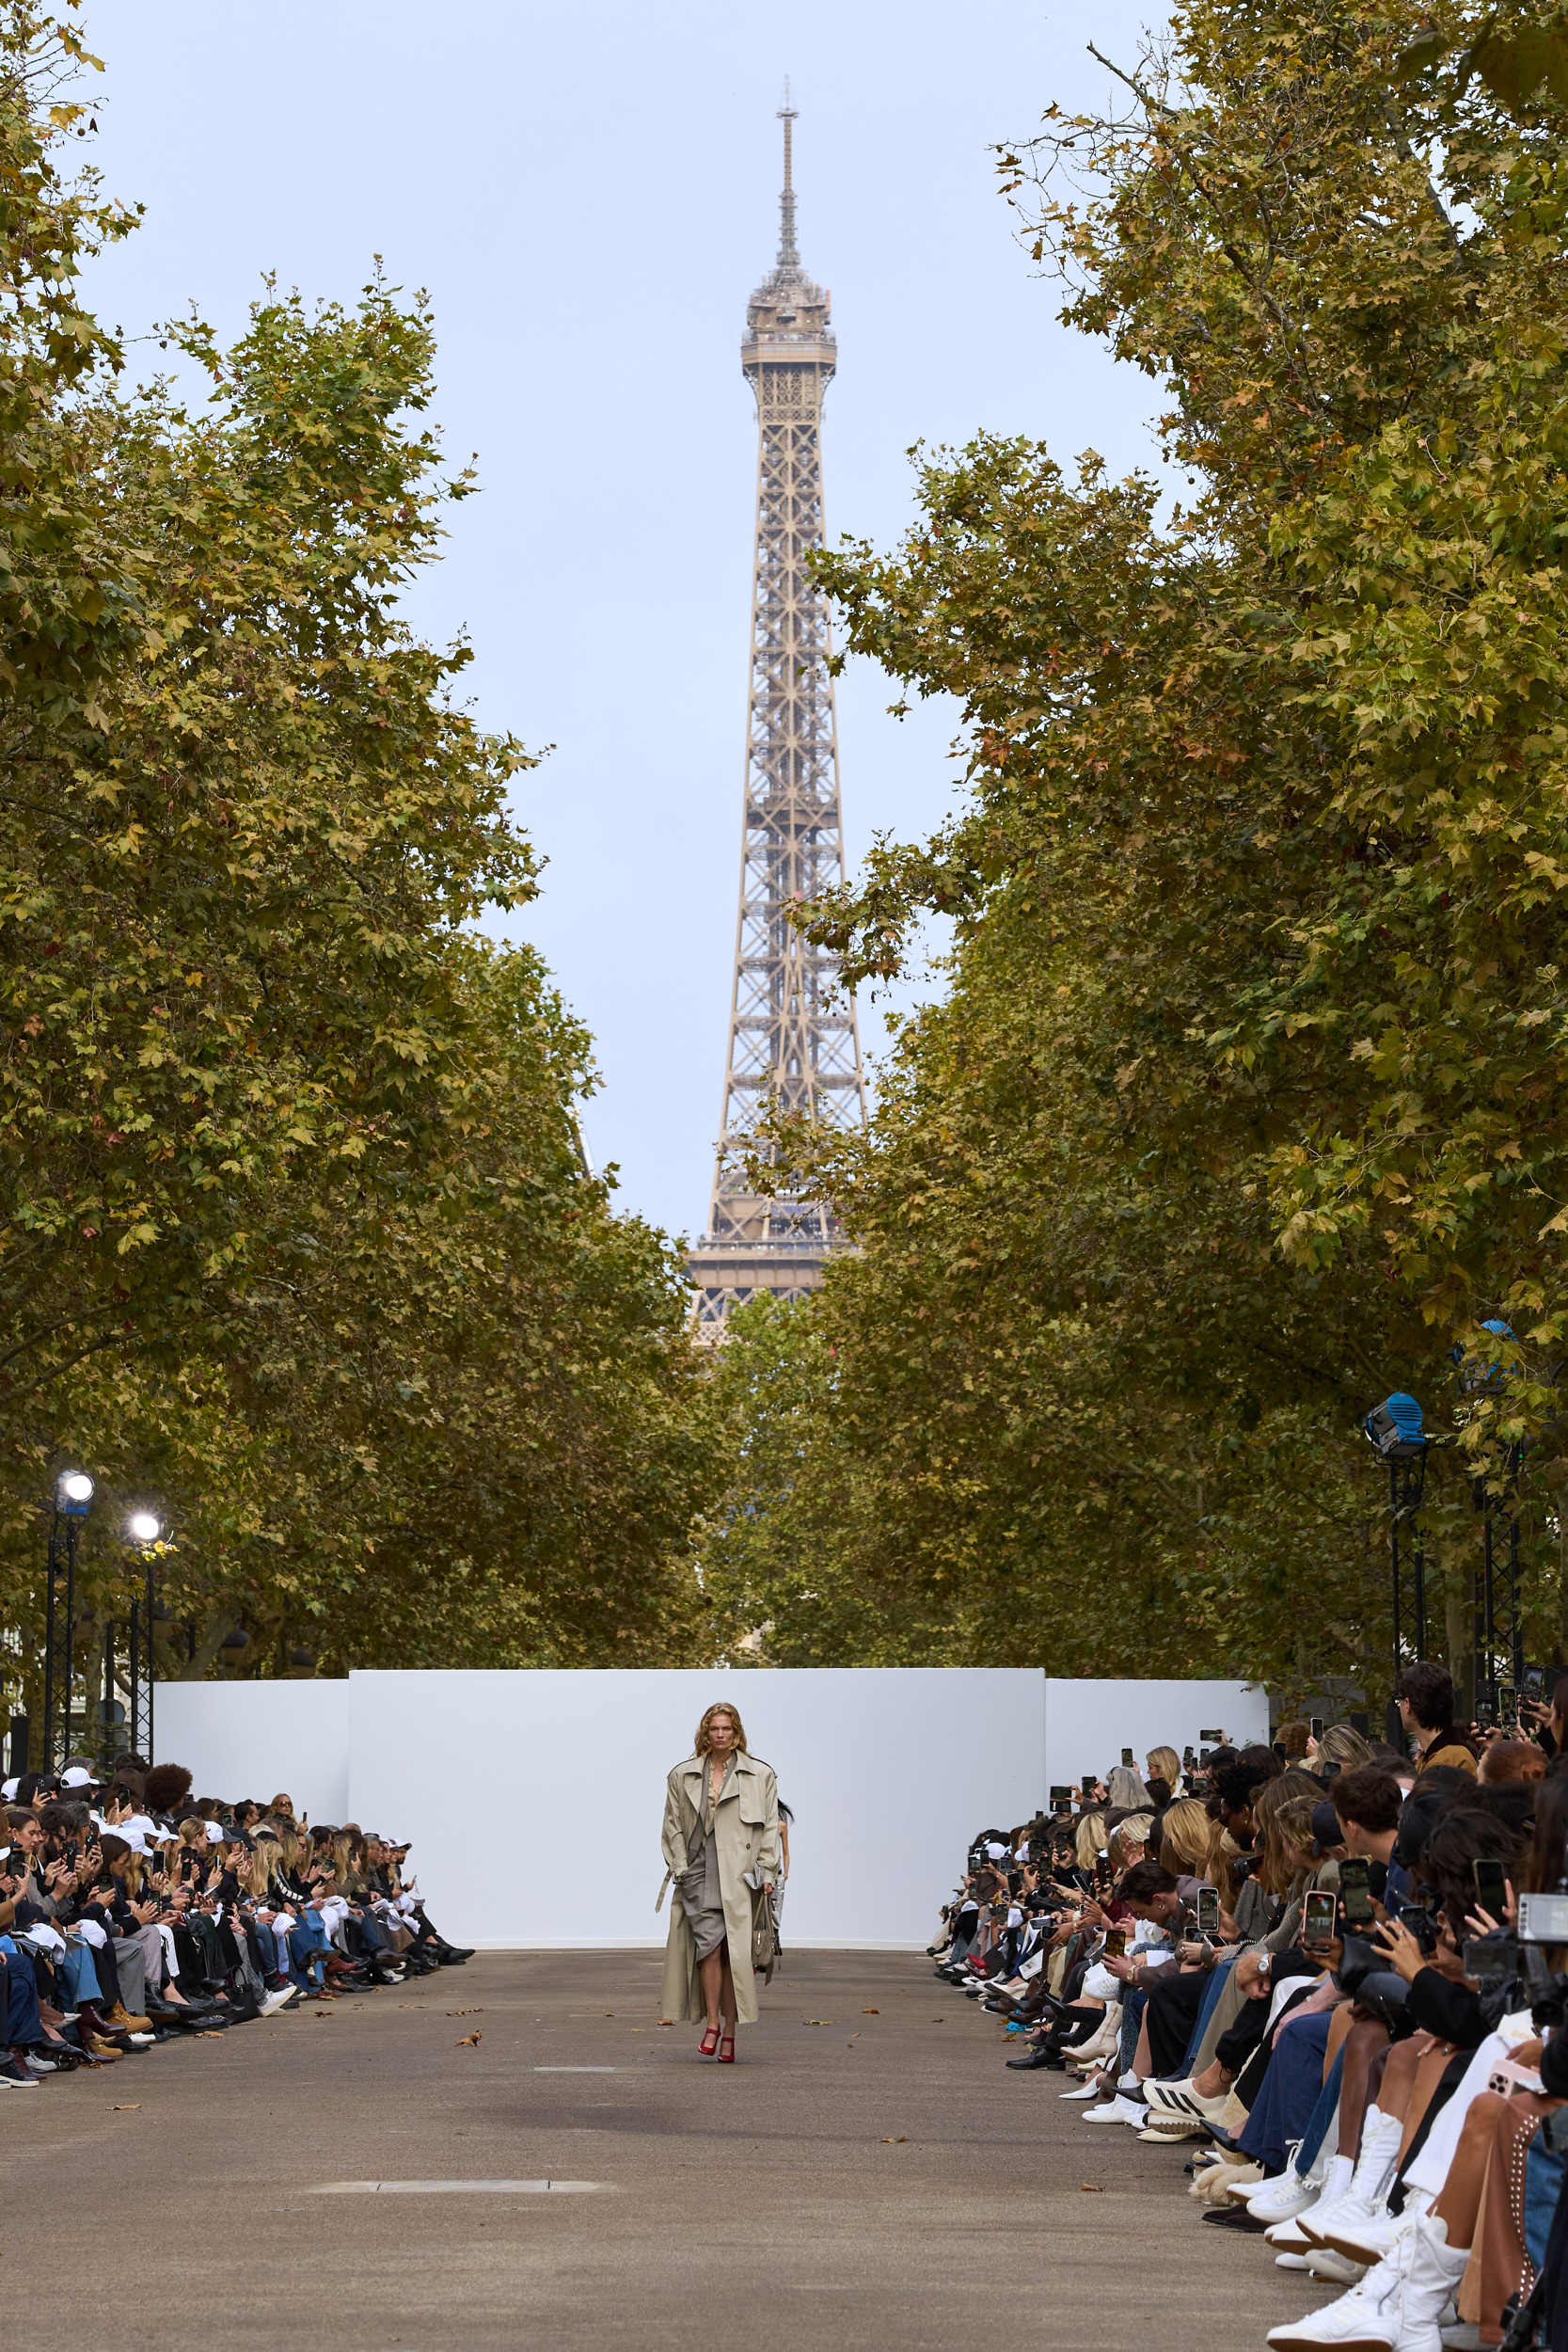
(791,1044)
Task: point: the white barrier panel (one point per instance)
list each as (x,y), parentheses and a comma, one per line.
(1088,1724)
(257,1740)
(536,1798)
(533,1799)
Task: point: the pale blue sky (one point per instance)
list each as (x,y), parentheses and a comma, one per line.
(589,195)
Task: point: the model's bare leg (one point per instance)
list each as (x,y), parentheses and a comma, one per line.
(723,1956)
(712,1975)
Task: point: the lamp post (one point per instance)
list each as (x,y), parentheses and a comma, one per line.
(74,1491)
(143,1531)
(1395,1427)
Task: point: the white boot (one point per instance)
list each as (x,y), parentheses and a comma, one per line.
(1432,2270)
(1365,2319)
(1359,2225)
(1342,2170)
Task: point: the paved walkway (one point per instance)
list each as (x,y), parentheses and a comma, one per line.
(869,2175)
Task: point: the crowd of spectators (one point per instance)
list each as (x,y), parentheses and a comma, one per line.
(131,1914)
(1329,1970)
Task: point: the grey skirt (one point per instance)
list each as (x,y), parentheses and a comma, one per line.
(703,1898)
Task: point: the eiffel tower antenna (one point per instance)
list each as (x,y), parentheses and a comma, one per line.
(792,1044)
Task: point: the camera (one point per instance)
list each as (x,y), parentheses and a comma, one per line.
(1543,1919)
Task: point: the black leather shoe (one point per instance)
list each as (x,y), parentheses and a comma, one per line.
(1030,2059)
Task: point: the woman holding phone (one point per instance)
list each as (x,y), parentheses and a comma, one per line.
(720,1845)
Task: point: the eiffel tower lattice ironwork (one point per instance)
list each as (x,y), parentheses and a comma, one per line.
(793,1041)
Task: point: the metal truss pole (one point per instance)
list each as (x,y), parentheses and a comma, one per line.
(1406,1482)
(59,1620)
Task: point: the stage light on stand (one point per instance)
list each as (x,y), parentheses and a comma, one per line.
(143,1533)
(1397,1431)
(73,1493)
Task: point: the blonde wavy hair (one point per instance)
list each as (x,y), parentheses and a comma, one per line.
(1184,1829)
(1166,1765)
(1089,1839)
(1133,1832)
(703,1742)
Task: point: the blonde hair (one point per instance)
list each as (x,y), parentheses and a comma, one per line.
(1184,1829)
(1133,1831)
(704,1741)
(1164,1764)
(1090,1838)
(1281,1808)
(1343,1746)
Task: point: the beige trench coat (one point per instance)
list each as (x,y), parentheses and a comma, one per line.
(746,1838)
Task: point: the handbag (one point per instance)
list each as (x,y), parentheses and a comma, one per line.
(764,1937)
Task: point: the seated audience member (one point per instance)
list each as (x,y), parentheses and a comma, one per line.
(129,1918)
(1364,2062)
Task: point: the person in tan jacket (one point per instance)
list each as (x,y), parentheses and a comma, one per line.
(720,1845)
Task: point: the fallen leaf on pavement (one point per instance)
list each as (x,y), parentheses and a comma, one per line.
(817,2021)
(468,2041)
(871,2013)
(897,2142)
(125,2106)
(459,2013)
(1091,2189)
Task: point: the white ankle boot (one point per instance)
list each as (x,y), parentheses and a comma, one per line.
(1396,2307)
(1359,2225)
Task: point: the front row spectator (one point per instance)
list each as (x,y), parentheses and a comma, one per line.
(129,1916)
(1337,2009)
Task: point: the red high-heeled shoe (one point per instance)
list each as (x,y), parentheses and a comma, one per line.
(709,2043)
(726,2049)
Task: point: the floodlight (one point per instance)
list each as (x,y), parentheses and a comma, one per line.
(143,1528)
(74,1491)
(1395,1427)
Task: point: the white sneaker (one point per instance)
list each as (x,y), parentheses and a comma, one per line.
(1129,2081)
(1180,2098)
(1282,2200)
(276,2001)
(1323,2262)
(1118,2110)
(1291,2262)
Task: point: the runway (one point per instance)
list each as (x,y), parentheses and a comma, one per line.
(868,2175)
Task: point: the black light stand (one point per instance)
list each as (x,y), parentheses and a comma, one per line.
(1499,1632)
(72,1499)
(144,1533)
(1396,1428)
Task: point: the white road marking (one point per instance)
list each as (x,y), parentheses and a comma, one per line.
(574,2070)
(438,2188)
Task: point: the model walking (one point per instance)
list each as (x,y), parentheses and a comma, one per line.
(720,1846)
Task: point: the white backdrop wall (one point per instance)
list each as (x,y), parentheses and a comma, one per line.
(258,1738)
(1088,1724)
(533,1799)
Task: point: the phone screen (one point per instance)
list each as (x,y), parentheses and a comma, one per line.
(1208,1911)
(1127,1756)
(1318,1929)
(1116,1943)
(1316,1726)
(1353,1887)
(1491,1885)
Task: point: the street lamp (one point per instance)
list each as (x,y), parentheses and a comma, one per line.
(143,1529)
(1397,1429)
(73,1493)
